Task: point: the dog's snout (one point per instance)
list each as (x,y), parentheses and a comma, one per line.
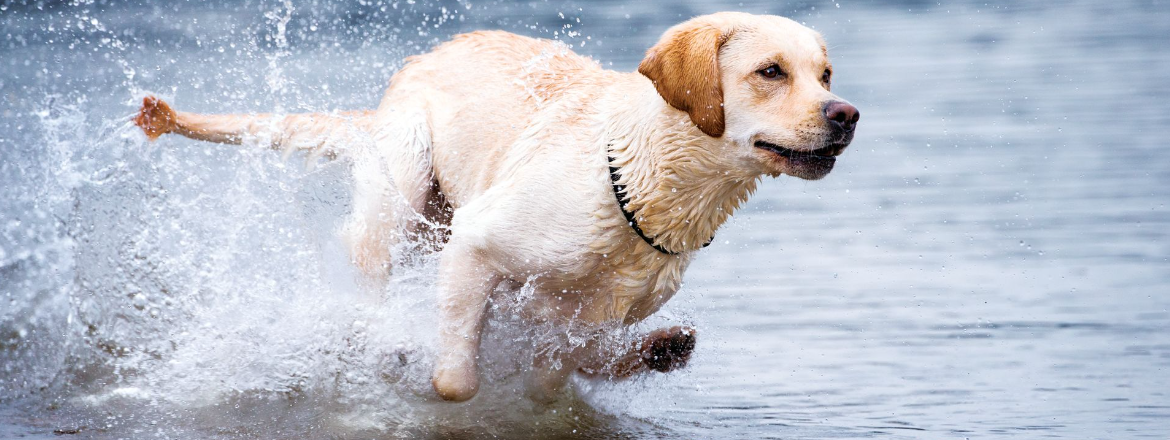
(842,116)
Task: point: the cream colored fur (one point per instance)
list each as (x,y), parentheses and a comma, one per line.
(507,140)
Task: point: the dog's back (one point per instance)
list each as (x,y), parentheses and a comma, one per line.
(482,90)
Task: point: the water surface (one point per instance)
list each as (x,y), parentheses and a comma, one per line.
(989,258)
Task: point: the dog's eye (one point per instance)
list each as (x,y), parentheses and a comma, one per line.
(827,76)
(771,72)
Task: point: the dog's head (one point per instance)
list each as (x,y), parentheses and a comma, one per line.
(762,83)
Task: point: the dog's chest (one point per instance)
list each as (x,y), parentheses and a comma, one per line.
(627,280)
(645,283)
(621,289)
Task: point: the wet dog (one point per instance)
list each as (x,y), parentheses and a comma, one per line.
(530,165)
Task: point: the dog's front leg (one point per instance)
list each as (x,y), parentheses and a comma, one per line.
(662,350)
(464,286)
(550,372)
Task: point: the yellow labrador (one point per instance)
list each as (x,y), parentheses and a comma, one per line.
(594,187)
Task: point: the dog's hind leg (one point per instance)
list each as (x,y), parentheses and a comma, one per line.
(319,134)
(395,195)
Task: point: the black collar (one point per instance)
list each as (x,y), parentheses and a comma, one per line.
(619,190)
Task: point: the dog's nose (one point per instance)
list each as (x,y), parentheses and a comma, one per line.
(842,116)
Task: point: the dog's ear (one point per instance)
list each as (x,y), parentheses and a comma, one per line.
(684,67)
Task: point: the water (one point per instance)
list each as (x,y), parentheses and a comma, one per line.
(989,259)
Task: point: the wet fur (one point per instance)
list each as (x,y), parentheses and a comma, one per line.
(504,142)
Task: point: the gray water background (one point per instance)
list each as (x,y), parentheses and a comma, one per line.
(989,258)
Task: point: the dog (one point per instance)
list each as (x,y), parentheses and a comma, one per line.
(526,164)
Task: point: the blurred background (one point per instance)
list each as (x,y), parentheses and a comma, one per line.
(988,259)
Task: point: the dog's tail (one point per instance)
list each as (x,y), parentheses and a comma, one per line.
(318,134)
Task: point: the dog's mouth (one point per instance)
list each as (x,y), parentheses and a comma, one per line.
(810,164)
(829,152)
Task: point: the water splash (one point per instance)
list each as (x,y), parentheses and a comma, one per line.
(212,285)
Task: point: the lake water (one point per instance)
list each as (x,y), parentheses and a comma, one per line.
(991,257)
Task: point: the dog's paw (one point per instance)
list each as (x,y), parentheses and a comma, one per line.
(455,379)
(668,349)
(156,118)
